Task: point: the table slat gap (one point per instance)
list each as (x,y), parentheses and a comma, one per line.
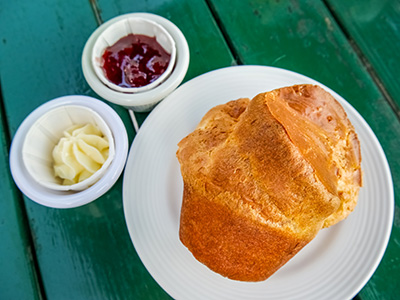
(224,32)
(364,60)
(23,216)
(96,11)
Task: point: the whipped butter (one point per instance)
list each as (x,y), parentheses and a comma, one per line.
(80,153)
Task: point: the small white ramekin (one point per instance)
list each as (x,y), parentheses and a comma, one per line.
(146,100)
(67,199)
(133,25)
(44,135)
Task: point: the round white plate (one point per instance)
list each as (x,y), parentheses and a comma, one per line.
(335,265)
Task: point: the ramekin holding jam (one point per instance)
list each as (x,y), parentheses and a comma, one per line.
(133,55)
(135,60)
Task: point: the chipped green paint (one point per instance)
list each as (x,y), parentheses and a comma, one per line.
(86,252)
(18,277)
(374,26)
(304,37)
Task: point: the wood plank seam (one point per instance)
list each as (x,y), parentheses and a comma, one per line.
(365,62)
(225,34)
(96,11)
(21,204)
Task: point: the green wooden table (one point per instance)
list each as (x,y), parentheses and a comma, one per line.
(86,253)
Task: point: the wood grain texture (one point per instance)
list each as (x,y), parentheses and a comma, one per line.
(18,276)
(303,36)
(208,49)
(374,27)
(83,253)
(86,252)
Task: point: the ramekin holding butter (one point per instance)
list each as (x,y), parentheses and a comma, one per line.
(80,153)
(69,151)
(62,149)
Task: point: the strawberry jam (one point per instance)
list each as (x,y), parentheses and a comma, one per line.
(134,61)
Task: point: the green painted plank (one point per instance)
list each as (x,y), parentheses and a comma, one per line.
(83,253)
(86,252)
(302,36)
(207,47)
(208,50)
(375,28)
(18,277)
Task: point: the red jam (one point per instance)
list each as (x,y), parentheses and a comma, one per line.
(134,61)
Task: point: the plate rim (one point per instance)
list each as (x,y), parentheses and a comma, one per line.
(347,105)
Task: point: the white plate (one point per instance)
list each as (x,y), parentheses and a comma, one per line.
(335,265)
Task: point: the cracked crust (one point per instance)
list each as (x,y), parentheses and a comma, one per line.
(254,192)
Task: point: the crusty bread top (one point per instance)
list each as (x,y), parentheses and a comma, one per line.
(272,171)
(318,125)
